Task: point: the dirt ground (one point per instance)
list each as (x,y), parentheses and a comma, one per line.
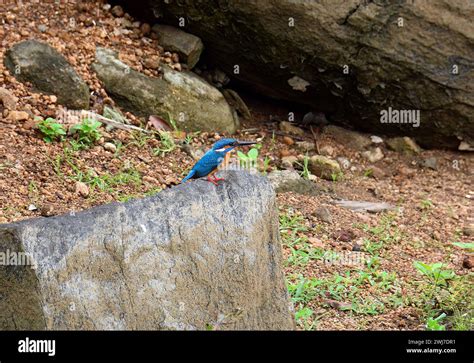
(352,271)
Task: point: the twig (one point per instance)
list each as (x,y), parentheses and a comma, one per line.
(113,123)
(315,139)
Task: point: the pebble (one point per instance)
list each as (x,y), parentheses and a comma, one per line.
(288,140)
(468,261)
(468,230)
(82,189)
(326,150)
(18,115)
(117,11)
(110,147)
(431,163)
(323,214)
(47,210)
(288,127)
(373,155)
(288,162)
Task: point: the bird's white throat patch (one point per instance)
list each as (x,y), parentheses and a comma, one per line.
(222,149)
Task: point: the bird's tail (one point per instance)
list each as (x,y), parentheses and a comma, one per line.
(189,176)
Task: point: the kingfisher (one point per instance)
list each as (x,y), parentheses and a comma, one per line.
(208,164)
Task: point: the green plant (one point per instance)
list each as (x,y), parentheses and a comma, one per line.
(434,272)
(249,159)
(87,132)
(305,173)
(167,143)
(469,246)
(434,323)
(51,130)
(336,176)
(426,204)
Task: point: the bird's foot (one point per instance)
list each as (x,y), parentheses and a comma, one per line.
(213,181)
(218,179)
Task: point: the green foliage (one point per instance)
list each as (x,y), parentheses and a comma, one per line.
(336,176)
(434,272)
(434,323)
(87,133)
(51,130)
(469,246)
(305,173)
(167,144)
(249,159)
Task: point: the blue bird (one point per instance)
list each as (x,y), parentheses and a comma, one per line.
(208,164)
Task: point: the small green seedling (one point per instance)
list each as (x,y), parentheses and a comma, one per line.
(51,130)
(434,323)
(435,272)
(87,132)
(249,159)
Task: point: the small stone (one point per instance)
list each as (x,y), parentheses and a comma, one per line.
(305,146)
(376,173)
(152,62)
(468,261)
(373,155)
(403,144)
(324,167)
(106,7)
(177,67)
(352,139)
(376,139)
(145,29)
(344,162)
(464,146)
(42,28)
(356,247)
(315,242)
(288,140)
(117,11)
(344,235)
(326,150)
(32,207)
(110,147)
(323,214)
(288,162)
(150,180)
(47,210)
(430,163)
(82,189)
(18,115)
(468,230)
(53,98)
(284,153)
(288,127)
(8,99)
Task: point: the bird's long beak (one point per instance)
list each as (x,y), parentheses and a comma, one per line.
(244,143)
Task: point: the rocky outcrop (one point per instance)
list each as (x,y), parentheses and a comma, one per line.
(190,101)
(192,257)
(48,71)
(352,59)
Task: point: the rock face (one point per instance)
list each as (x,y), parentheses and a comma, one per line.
(48,71)
(187,258)
(351,59)
(188,46)
(190,101)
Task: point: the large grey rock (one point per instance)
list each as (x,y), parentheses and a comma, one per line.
(48,71)
(188,46)
(408,67)
(189,257)
(190,101)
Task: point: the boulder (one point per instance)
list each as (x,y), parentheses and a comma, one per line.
(48,71)
(192,257)
(190,101)
(351,59)
(188,46)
